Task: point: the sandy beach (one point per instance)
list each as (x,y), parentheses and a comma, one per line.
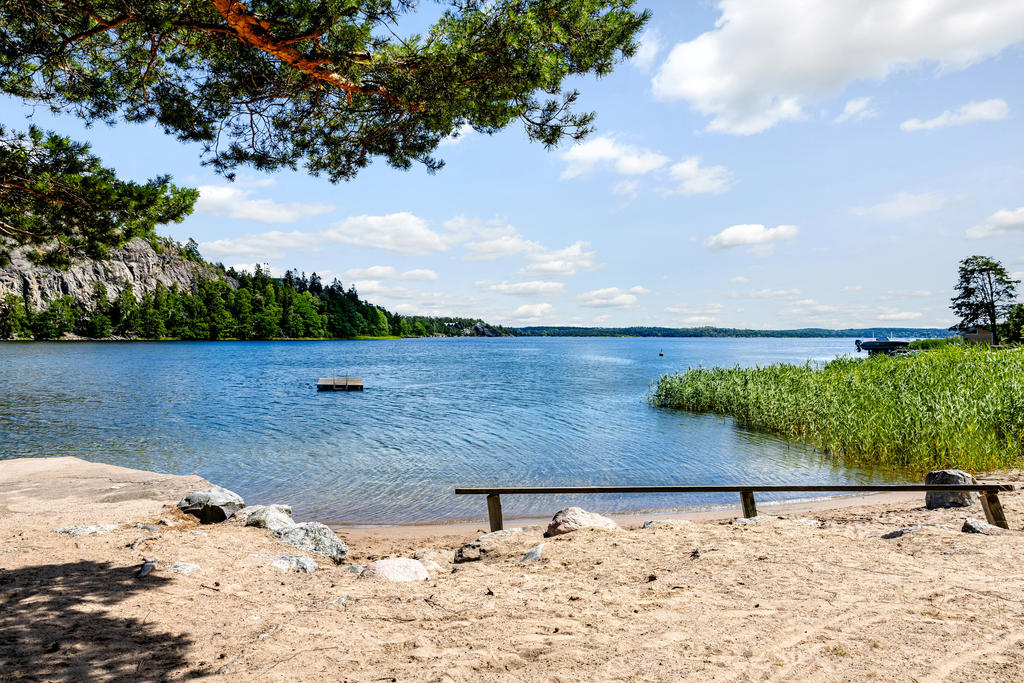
(811,591)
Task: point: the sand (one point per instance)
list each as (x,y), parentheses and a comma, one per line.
(778,600)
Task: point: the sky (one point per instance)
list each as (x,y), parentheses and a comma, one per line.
(759,163)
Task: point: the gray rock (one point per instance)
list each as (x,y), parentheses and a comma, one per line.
(300,563)
(183,567)
(471,552)
(534,553)
(354,568)
(200,533)
(147,527)
(976,526)
(213,505)
(314,537)
(502,534)
(396,569)
(745,521)
(949,499)
(573,518)
(340,601)
(903,532)
(84,530)
(271,517)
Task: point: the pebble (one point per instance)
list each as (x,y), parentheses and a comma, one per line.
(84,530)
(183,567)
(300,563)
(534,554)
(976,526)
(902,532)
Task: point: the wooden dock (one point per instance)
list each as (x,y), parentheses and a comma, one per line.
(339,384)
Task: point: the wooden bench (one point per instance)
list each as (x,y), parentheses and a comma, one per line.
(989,494)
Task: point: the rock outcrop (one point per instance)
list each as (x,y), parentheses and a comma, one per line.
(396,569)
(315,538)
(136,263)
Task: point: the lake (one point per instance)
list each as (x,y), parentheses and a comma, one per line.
(436,413)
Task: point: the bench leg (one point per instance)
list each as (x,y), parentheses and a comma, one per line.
(747,500)
(993,509)
(494,511)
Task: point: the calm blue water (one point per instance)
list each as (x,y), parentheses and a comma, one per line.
(436,413)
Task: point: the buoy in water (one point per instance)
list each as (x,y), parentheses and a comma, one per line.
(661,353)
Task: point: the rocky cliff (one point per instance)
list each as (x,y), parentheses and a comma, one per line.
(136,263)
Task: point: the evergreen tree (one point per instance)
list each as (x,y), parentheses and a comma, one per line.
(984,293)
(98,324)
(14,321)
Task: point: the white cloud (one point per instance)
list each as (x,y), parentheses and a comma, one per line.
(768,294)
(273,271)
(1018,275)
(761,239)
(900,315)
(853,288)
(739,280)
(457,136)
(267,245)
(695,310)
(531,288)
(532,312)
(401,233)
(989,110)
(603,318)
(903,205)
(1002,222)
(389,273)
(629,188)
(855,110)
(626,159)
(650,48)
(610,297)
(506,244)
(699,320)
(234,200)
(692,179)
(561,262)
(766,59)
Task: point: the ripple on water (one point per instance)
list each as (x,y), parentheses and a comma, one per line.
(436,413)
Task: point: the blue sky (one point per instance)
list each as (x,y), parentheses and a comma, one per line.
(759,163)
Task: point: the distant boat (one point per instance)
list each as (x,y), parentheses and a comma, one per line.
(881,344)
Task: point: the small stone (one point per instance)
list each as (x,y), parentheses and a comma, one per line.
(213,505)
(340,601)
(200,533)
(808,522)
(148,565)
(271,517)
(573,518)
(534,554)
(354,568)
(501,534)
(744,521)
(147,527)
(471,552)
(166,522)
(84,530)
(300,563)
(396,569)
(183,567)
(976,526)
(433,566)
(314,537)
(949,499)
(902,532)
(650,524)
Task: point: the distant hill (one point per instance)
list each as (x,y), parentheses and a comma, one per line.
(567,331)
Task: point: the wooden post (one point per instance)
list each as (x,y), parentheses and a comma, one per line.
(747,500)
(993,509)
(494,511)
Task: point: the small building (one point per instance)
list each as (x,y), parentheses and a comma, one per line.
(977,335)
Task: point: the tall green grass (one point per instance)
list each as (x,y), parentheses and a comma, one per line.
(954,406)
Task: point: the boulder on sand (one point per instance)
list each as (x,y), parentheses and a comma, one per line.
(573,518)
(271,517)
(314,537)
(213,505)
(396,569)
(949,499)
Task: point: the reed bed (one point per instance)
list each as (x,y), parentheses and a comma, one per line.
(955,406)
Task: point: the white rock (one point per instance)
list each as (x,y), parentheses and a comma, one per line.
(573,518)
(84,529)
(271,517)
(534,554)
(976,526)
(396,569)
(183,567)
(650,524)
(314,537)
(301,563)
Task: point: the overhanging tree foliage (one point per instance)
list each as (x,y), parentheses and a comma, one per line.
(984,293)
(57,197)
(327,84)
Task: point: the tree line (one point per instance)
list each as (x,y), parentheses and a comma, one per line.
(260,307)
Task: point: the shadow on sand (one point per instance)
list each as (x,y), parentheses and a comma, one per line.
(56,626)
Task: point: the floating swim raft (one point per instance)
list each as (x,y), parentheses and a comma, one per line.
(339,384)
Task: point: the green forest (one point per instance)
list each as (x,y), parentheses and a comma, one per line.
(261,307)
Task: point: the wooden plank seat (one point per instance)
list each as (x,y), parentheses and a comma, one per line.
(989,494)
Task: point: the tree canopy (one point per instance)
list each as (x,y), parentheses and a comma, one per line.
(984,293)
(325,84)
(57,197)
